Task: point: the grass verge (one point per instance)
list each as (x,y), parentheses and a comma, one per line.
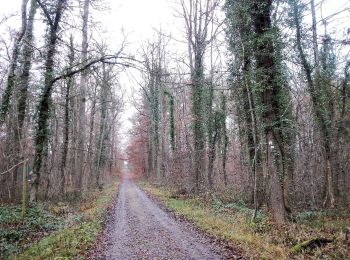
(261,239)
(75,229)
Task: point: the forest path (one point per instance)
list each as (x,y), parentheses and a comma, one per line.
(139,229)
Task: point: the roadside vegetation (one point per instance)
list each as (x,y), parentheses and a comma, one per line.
(49,230)
(309,235)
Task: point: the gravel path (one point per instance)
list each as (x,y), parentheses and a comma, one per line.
(139,229)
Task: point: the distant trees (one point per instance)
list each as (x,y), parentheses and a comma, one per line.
(270,122)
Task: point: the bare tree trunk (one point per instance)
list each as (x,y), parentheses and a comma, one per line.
(82,103)
(101,152)
(91,132)
(69,85)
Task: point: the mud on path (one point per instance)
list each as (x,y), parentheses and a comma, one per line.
(139,229)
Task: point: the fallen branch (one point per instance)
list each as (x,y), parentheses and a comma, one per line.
(13,167)
(310,244)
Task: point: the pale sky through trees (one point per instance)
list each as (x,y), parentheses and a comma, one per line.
(138,19)
(135,19)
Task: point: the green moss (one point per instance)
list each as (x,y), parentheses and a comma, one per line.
(310,243)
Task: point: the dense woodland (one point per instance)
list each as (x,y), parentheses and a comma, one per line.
(60,103)
(251,99)
(257,107)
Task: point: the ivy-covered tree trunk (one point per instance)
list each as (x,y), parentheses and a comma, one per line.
(272,94)
(171,119)
(241,36)
(212,132)
(150,166)
(198,17)
(11,78)
(225,138)
(321,96)
(26,66)
(22,83)
(198,119)
(45,102)
(157,118)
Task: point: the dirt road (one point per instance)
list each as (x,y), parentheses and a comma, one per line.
(139,229)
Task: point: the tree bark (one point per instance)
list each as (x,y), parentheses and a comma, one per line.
(11,79)
(82,104)
(27,64)
(44,108)
(318,108)
(269,89)
(69,85)
(101,153)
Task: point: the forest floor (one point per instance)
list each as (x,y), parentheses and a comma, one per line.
(156,222)
(326,232)
(139,229)
(55,230)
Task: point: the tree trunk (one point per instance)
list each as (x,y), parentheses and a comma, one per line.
(44,108)
(225,139)
(276,196)
(11,79)
(270,87)
(318,104)
(27,63)
(91,132)
(23,83)
(198,120)
(69,85)
(101,153)
(82,104)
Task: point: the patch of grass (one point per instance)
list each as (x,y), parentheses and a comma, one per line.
(68,243)
(72,237)
(260,239)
